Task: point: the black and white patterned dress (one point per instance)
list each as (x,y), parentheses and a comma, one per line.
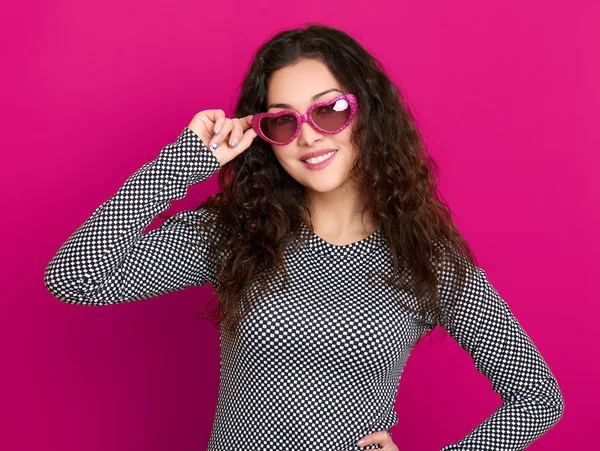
(316,365)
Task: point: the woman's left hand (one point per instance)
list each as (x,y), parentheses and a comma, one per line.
(382,438)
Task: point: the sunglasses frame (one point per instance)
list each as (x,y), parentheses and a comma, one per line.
(306,117)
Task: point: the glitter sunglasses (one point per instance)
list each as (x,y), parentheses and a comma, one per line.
(329,117)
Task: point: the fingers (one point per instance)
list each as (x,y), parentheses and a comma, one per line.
(246,139)
(224,129)
(382,438)
(240,125)
(246,122)
(231,131)
(225,153)
(217,117)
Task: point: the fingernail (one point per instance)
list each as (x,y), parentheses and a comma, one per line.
(361,441)
(214,146)
(233,143)
(217,131)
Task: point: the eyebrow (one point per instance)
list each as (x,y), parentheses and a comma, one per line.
(315,97)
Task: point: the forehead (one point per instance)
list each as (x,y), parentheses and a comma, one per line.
(295,84)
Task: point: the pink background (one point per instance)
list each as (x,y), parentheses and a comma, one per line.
(506,94)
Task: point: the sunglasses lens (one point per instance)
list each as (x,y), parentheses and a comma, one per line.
(332,117)
(279,129)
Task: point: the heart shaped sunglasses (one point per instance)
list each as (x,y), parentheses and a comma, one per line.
(329,117)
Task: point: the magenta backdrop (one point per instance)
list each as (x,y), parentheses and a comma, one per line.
(505,93)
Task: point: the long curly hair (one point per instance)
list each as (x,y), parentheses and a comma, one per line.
(260,207)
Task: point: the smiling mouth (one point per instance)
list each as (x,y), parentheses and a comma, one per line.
(321,158)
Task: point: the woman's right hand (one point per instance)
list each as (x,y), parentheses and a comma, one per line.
(233,137)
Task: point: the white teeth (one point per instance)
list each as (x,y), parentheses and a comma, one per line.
(319,158)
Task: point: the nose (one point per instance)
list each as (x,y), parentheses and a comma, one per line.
(308,135)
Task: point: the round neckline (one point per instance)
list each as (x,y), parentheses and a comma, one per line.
(360,247)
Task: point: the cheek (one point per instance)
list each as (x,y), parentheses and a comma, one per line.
(282,154)
(350,157)
(279,154)
(345,137)
(345,142)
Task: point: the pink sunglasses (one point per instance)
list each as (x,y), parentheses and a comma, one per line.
(329,117)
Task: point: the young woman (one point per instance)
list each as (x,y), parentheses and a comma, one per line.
(329,249)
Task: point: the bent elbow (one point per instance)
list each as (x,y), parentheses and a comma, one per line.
(560,403)
(552,406)
(68,290)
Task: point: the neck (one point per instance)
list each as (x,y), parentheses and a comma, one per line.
(339,213)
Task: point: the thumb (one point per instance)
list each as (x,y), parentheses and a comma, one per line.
(246,140)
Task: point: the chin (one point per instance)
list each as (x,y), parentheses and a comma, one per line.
(322,181)
(326,187)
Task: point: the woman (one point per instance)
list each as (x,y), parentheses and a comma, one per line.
(330,252)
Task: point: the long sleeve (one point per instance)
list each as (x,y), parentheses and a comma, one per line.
(109,259)
(484,326)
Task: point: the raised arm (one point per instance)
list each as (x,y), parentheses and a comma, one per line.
(484,326)
(109,260)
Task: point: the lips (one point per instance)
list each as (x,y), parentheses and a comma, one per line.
(321,164)
(316,154)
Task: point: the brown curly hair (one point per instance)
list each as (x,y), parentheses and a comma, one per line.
(260,207)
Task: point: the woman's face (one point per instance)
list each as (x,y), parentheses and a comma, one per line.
(295,86)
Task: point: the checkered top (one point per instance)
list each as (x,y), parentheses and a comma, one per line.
(319,364)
